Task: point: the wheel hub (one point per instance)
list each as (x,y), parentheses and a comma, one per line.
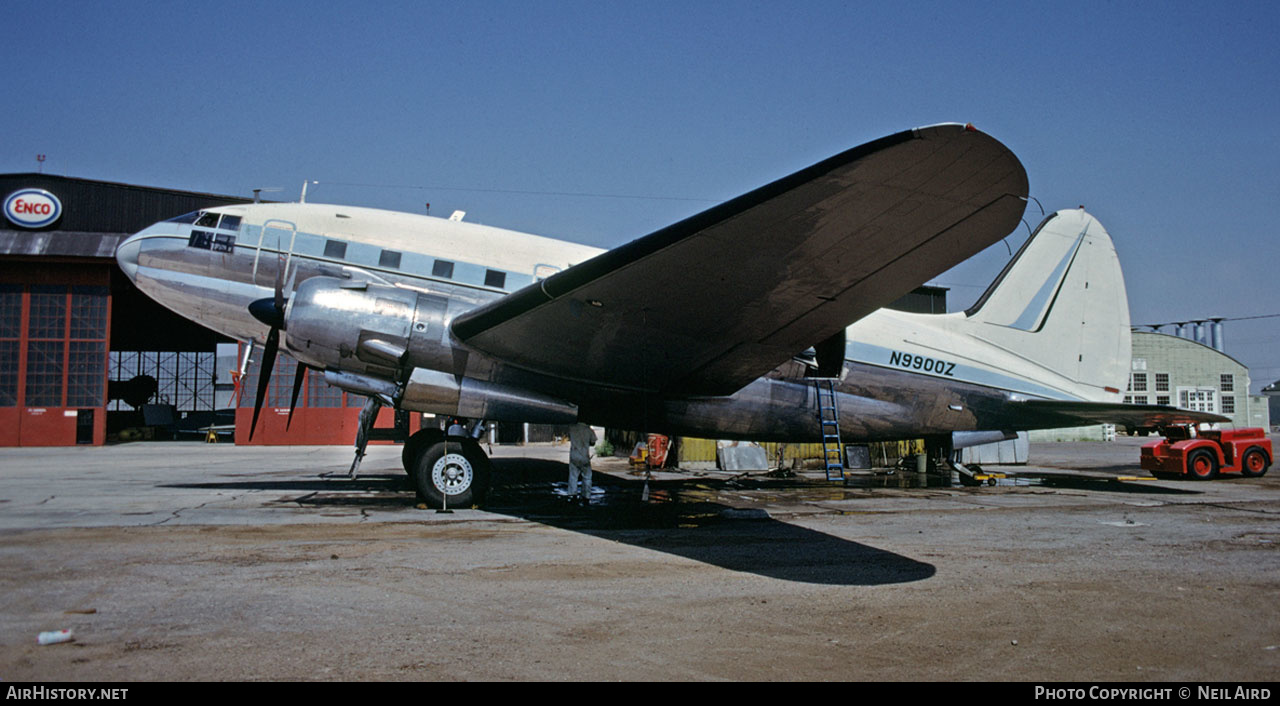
(452,474)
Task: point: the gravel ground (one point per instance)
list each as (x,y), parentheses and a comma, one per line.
(186,561)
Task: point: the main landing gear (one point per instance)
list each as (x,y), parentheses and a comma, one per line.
(449,470)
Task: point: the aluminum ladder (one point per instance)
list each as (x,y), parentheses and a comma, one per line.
(829,423)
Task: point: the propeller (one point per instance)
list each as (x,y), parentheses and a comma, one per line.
(298,376)
(270,311)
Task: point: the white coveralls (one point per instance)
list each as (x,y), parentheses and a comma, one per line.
(581,439)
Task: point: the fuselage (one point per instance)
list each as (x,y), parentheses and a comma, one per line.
(904,375)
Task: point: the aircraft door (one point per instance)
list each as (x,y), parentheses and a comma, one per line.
(275,254)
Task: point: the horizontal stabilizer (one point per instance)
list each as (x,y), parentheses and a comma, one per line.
(1050,413)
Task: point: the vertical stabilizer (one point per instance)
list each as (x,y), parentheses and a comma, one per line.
(1061,303)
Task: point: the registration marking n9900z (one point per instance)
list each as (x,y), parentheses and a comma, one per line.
(918,362)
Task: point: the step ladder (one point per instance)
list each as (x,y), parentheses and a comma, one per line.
(829,423)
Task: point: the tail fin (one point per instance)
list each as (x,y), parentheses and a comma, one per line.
(1061,304)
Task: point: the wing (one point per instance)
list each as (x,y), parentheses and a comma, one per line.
(1053,413)
(708,304)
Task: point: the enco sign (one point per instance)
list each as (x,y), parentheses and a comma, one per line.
(32,208)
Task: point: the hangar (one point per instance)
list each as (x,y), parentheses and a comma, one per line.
(1192,371)
(66,311)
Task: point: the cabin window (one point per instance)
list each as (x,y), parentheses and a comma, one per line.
(335,249)
(442,268)
(389,259)
(207,220)
(494,278)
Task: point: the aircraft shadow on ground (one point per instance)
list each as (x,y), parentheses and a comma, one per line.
(1105,485)
(678,519)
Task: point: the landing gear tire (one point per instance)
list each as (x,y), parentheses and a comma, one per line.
(1202,465)
(415,445)
(452,473)
(1254,463)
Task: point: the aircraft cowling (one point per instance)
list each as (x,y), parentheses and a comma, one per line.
(393,343)
(361,327)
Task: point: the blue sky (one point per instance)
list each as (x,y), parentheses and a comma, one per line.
(1155,116)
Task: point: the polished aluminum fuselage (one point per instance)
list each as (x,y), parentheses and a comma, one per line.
(904,376)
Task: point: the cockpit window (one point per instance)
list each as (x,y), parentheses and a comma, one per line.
(230,222)
(207,220)
(185,218)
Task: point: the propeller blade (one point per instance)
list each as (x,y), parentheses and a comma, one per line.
(264,375)
(298,376)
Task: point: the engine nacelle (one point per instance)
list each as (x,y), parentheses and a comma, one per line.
(366,336)
(436,392)
(365,327)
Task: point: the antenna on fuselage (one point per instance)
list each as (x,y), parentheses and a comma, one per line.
(257,193)
(303,198)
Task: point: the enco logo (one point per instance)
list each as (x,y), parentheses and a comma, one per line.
(32,208)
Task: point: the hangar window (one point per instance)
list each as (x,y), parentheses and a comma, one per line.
(389,259)
(89,312)
(84,373)
(1228,404)
(1162,399)
(1128,399)
(44,373)
(1140,399)
(8,373)
(494,278)
(207,220)
(1162,383)
(335,249)
(442,268)
(1228,382)
(10,310)
(1139,382)
(10,330)
(47,317)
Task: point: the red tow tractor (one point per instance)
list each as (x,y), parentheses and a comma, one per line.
(1204,455)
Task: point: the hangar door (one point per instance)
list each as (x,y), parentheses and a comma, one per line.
(53,356)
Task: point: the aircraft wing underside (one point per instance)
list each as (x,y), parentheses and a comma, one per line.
(708,304)
(1070,413)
